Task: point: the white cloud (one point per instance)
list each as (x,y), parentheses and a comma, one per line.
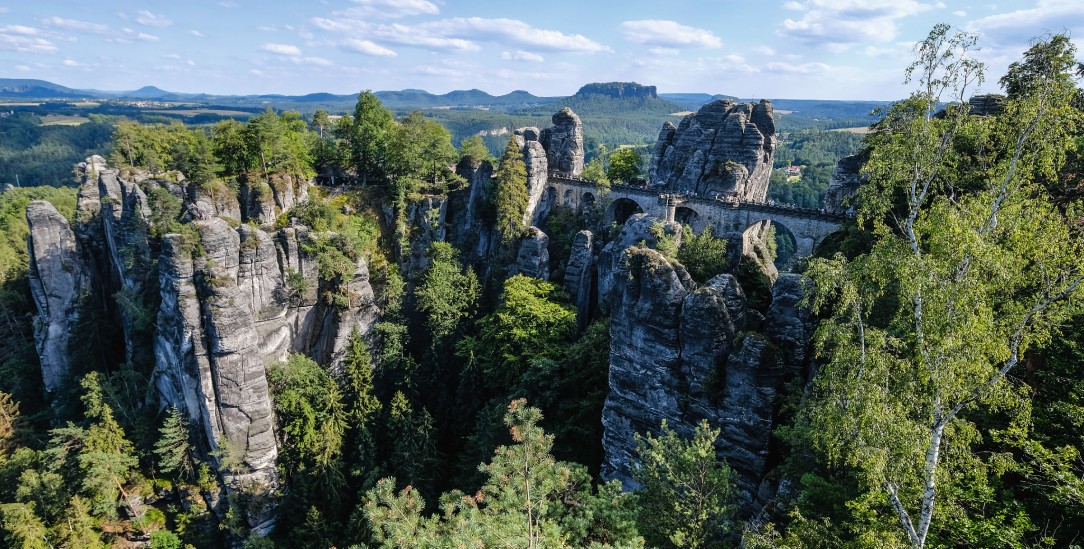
(1017,28)
(196,33)
(413,36)
(172,56)
(76,25)
(281,49)
(668,34)
(520,55)
(390,9)
(228,4)
(960,13)
(788,68)
(762,50)
(19,29)
(149,19)
(27,44)
(663,51)
(70,63)
(839,24)
(367,47)
(320,61)
(22,68)
(513,32)
(147,37)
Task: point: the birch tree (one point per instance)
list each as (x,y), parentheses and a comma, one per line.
(972,265)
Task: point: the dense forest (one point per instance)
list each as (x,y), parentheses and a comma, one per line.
(945,407)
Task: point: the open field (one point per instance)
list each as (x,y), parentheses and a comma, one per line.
(198,111)
(63,120)
(861,130)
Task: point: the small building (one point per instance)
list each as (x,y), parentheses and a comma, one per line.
(793,170)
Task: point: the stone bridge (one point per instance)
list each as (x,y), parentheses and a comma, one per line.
(725,217)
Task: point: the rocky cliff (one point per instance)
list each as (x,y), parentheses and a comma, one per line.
(724,149)
(683,354)
(846,178)
(228,301)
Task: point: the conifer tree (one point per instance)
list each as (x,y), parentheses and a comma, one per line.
(510,192)
(172,447)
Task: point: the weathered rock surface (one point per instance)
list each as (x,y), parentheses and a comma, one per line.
(534,156)
(580,273)
(57,282)
(233,301)
(724,149)
(685,354)
(846,178)
(533,259)
(467,227)
(263,200)
(612,264)
(564,143)
(426,219)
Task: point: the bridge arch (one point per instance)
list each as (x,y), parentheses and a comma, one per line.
(787,245)
(687,215)
(569,198)
(621,209)
(587,201)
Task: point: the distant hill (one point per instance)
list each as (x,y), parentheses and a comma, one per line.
(35,89)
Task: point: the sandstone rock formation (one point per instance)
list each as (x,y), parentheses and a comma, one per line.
(724,149)
(685,354)
(57,282)
(580,274)
(234,300)
(564,143)
(846,178)
(533,259)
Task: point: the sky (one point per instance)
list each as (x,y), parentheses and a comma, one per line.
(793,49)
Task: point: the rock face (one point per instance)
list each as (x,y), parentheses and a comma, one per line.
(534,156)
(263,200)
(724,149)
(564,143)
(580,274)
(234,300)
(533,259)
(685,354)
(57,282)
(846,178)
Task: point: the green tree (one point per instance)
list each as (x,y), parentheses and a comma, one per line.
(173,448)
(447,293)
(595,172)
(420,157)
(972,265)
(625,165)
(369,137)
(361,405)
(510,192)
(686,493)
(22,528)
(474,149)
(106,457)
(529,500)
(702,254)
(309,410)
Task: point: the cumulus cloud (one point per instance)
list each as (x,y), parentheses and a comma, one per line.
(281,49)
(76,25)
(513,32)
(520,55)
(1017,28)
(144,17)
(23,39)
(456,34)
(668,34)
(367,47)
(837,25)
(390,9)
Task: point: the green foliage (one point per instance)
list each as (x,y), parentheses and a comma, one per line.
(309,410)
(33,155)
(447,295)
(625,165)
(703,255)
(361,405)
(527,325)
(164,539)
(369,137)
(665,242)
(173,448)
(509,195)
(972,265)
(420,158)
(474,150)
(529,500)
(21,528)
(687,493)
(596,172)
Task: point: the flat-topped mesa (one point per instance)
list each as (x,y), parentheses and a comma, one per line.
(724,149)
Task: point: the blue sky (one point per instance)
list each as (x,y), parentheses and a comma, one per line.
(826,49)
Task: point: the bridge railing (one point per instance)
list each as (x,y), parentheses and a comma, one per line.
(714,201)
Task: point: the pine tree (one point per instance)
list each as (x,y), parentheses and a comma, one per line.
(510,192)
(361,405)
(368,139)
(173,448)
